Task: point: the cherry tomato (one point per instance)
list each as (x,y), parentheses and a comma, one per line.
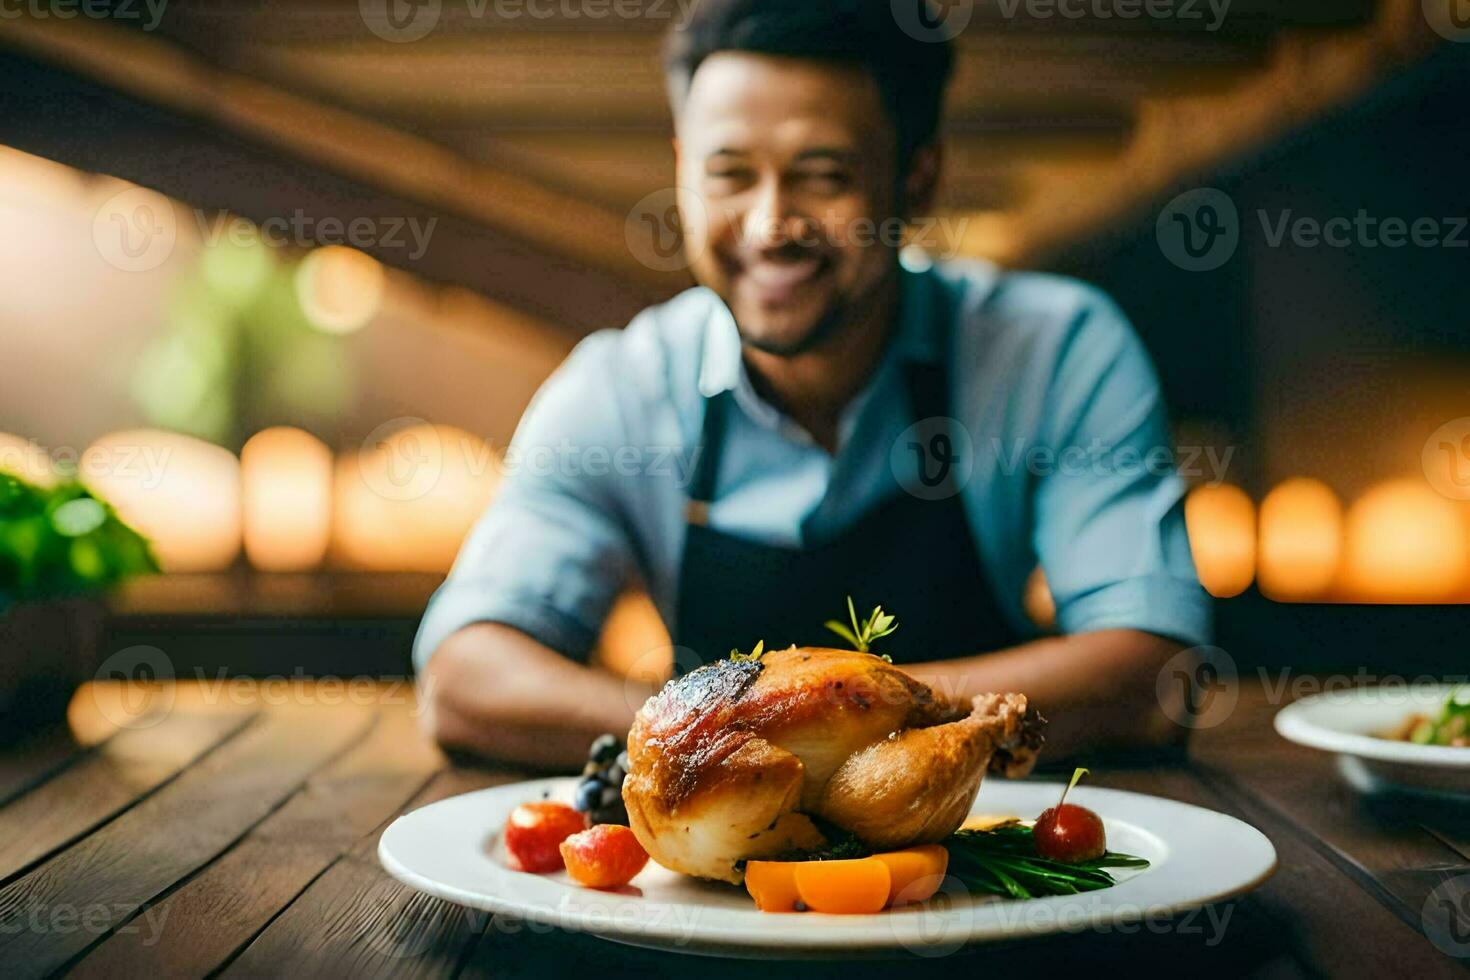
(606,856)
(534,832)
(1071,833)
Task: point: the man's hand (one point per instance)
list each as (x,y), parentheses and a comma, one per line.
(493,691)
(1097,690)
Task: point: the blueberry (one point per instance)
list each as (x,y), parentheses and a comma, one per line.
(590,793)
(623,762)
(615,775)
(605,749)
(611,814)
(611,796)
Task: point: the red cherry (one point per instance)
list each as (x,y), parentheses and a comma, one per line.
(1071,833)
(606,856)
(534,832)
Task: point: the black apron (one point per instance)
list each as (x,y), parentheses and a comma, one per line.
(916,557)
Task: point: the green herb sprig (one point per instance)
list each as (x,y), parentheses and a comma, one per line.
(756,652)
(1003,861)
(862,634)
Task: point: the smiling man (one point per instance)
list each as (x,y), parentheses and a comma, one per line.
(921,436)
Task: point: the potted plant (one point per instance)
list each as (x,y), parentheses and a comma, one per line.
(59,547)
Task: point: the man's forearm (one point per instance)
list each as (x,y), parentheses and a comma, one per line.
(492,690)
(1095,689)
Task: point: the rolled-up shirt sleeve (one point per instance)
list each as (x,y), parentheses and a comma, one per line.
(1109,519)
(552,550)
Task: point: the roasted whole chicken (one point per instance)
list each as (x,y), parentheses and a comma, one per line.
(734,760)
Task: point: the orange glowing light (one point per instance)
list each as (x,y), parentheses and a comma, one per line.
(1222,537)
(1037,601)
(1405,543)
(405,502)
(182,493)
(340,289)
(1300,541)
(286,500)
(634,642)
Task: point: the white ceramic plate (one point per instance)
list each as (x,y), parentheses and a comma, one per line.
(1344,722)
(451,850)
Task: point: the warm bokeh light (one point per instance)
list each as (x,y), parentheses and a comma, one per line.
(181,493)
(26,460)
(340,289)
(1405,543)
(635,642)
(1222,537)
(286,500)
(1300,541)
(405,503)
(1037,601)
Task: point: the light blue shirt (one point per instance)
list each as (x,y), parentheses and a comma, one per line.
(1072,466)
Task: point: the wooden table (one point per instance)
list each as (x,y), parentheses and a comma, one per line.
(201,829)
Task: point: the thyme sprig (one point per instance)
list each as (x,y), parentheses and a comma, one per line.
(862,634)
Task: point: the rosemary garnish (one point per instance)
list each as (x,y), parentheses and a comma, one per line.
(861,635)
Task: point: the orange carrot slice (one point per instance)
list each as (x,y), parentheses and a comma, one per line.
(915,873)
(857,887)
(772,884)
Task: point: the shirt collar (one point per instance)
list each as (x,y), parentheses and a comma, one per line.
(917,337)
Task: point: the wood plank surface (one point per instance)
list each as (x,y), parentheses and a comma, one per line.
(104,782)
(1380,841)
(56,911)
(221,909)
(357,921)
(255,855)
(28,763)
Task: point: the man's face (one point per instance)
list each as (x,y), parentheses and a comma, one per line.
(794,166)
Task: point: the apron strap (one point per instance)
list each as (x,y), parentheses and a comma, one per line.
(707,470)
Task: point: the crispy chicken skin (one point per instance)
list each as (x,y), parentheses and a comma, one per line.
(731,761)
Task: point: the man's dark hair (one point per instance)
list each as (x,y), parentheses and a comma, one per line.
(911,73)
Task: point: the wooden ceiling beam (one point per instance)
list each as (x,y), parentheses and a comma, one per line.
(380,155)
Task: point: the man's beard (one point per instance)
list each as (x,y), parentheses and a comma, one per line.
(830,325)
